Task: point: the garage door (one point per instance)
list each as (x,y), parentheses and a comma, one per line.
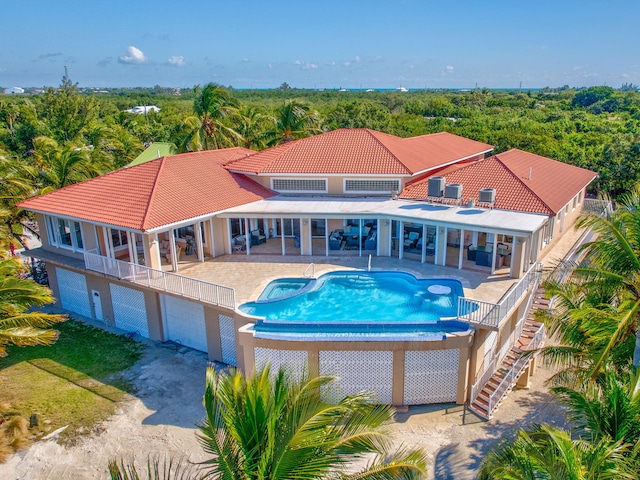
(129,310)
(184,322)
(73,292)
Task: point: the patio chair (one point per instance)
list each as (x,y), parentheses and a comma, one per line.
(178,252)
(257,237)
(412,240)
(335,241)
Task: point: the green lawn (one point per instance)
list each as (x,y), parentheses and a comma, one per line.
(74,382)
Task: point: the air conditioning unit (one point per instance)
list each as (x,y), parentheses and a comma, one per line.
(453,190)
(436,187)
(487,195)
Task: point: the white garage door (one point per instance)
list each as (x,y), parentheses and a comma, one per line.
(184,322)
(73,292)
(129,309)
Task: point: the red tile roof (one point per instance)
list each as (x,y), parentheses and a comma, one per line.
(360,151)
(550,187)
(156,193)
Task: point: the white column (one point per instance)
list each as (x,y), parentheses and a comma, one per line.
(423,254)
(174,250)
(282,236)
(326,237)
(247,237)
(199,247)
(229,236)
(133,252)
(494,254)
(446,237)
(108,247)
(360,237)
(460,255)
(211,239)
(401,240)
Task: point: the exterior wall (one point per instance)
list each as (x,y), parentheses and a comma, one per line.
(89,235)
(220,236)
(247,344)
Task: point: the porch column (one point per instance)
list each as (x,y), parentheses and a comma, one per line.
(173,249)
(326,237)
(284,250)
(199,247)
(108,247)
(443,241)
(401,241)
(494,255)
(360,237)
(133,251)
(211,241)
(423,254)
(460,254)
(229,239)
(247,236)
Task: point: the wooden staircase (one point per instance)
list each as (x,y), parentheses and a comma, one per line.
(513,365)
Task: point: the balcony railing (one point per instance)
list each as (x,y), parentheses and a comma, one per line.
(490,315)
(598,206)
(160,280)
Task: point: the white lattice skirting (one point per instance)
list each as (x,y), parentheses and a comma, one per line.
(431,376)
(228,340)
(357,372)
(293,361)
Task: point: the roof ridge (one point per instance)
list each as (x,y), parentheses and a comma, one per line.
(370,132)
(529,189)
(152,195)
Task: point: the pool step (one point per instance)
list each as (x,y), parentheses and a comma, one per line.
(482,405)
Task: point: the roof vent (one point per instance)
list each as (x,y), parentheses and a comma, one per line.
(453,190)
(436,187)
(487,195)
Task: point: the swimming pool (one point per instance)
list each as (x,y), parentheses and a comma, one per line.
(358,297)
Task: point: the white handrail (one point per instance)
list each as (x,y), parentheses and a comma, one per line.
(492,314)
(312,267)
(515,371)
(160,280)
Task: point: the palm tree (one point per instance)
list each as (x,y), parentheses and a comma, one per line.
(268,426)
(292,121)
(599,305)
(18,325)
(62,166)
(545,452)
(209,127)
(250,126)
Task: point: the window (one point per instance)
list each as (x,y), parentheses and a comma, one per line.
(366,186)
(119,238)
(64,233)
(299,184)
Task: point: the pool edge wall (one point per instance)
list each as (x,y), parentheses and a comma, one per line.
(398,372)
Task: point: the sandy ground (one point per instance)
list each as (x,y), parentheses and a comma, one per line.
(161,418)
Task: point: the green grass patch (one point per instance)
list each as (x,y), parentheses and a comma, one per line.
(76,382)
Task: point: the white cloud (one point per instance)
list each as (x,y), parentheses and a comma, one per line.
(246,60)
(356,59)
(309,66)
(177,61)
(298,62)
(135,56)
(330,63)
(346,64)
(448,69)
(269,65)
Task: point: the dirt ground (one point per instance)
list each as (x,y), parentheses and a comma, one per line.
(161,419)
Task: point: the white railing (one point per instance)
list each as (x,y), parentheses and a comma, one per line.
(491,315)
(310,271)
(514,373)
(597,206)
(477,387)
(157,279)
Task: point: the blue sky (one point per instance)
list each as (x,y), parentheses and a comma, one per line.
(326,44)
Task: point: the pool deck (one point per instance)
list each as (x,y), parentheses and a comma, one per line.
(250,274)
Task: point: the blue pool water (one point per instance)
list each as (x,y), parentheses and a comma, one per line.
(358,297)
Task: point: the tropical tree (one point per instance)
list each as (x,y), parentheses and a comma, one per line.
(545,452)
(210,126)
(269,426)
(250,126)
(62,166)
(17,182)
(292,120)
(18,325)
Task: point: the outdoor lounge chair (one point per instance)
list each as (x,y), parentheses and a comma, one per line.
(335,241)
(412,240)
(257,237)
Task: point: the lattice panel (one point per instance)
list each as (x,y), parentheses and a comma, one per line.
(73,292)
(228,340)
(431,376)
(129,309)
(184,321)
(293,361)
(489,349)
(357,372)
